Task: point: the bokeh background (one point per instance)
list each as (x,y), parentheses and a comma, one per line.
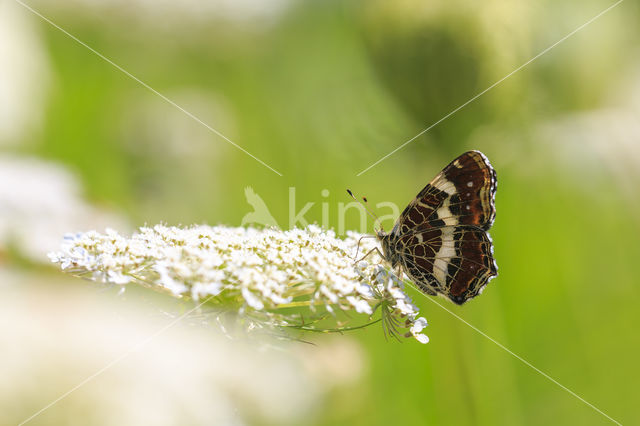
(320,91)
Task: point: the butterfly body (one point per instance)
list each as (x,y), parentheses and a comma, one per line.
(389,250)
(440,240)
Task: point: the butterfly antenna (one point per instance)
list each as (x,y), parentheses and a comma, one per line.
(366,207)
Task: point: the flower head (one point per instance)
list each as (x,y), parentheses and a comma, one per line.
(262,273)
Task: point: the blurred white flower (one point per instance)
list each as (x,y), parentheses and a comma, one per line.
(601,143)
(55,336)
(24,74)
(39,201)
(257,272)
(588,147)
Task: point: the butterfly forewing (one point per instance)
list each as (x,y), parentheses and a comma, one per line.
(462,193)
(440,239)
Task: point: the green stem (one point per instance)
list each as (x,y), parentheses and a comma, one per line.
(333,330)
(294,304)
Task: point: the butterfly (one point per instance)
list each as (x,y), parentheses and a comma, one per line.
(440,240)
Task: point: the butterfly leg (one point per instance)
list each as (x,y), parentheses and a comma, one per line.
(359,240)
(370,251)
(399,272)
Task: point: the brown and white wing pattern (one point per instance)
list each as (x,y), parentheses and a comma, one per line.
(454,261)
(441,238)
(462,193)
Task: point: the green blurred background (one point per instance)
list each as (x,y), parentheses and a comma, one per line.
(320,91)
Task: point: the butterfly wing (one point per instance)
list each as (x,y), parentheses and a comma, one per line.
(462,193)
(441,236)
(455,261)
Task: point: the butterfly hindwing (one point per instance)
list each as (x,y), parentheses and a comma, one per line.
(456,261)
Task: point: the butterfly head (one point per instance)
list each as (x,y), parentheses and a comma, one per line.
(389,251)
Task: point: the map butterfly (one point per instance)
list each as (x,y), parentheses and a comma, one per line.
(440,240)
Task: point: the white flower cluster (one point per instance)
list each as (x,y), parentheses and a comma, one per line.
(30,186)
(256,270)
